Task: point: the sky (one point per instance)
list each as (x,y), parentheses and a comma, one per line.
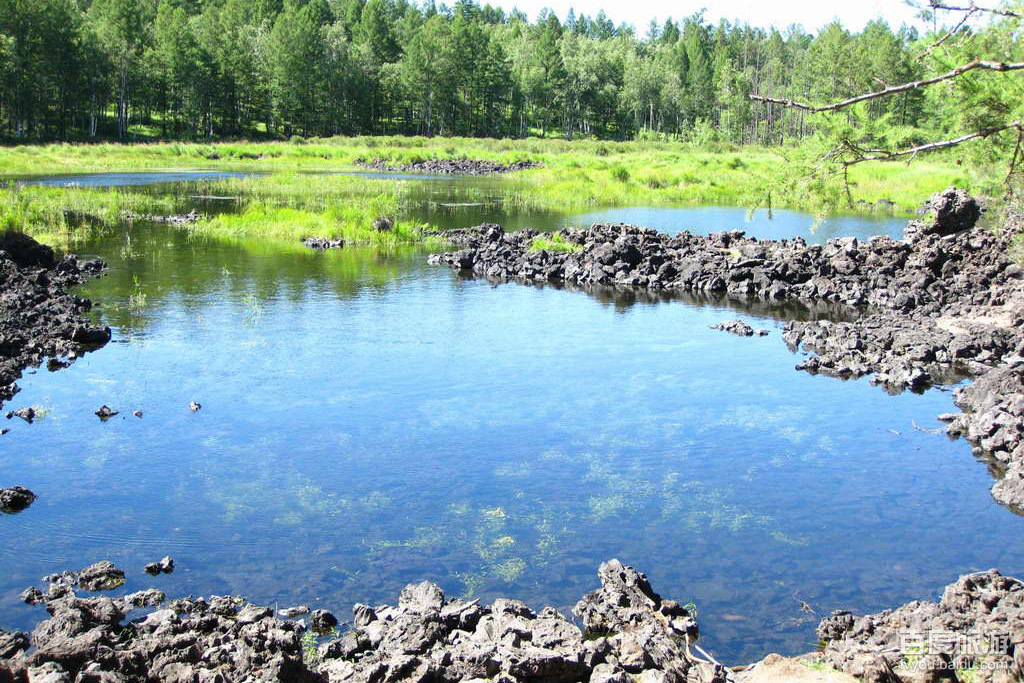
(812,14)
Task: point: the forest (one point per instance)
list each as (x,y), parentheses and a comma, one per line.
(79,70)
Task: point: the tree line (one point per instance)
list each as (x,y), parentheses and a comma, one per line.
(204,69)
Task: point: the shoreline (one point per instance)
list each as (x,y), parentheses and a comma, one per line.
(927,317)
(946,301)
(622,632)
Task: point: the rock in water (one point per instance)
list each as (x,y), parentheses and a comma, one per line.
(164,566)
(739,328)
(15,499)
(26,414)
(324,243)
(194,407)
(102,576)
(105,413)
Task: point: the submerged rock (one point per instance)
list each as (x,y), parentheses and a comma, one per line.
(15,499)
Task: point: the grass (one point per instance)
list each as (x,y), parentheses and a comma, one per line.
(554,242)
(576,174)
(353,223)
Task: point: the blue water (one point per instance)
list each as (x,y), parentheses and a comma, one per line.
(370,421)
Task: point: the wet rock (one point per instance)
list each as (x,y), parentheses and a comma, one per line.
(26,414)
(101,576)
(324,243)
(15,499)
(164,566)
(137,413)
(292,612)
(32,596)
(194,407)
(740,328)
(105,413)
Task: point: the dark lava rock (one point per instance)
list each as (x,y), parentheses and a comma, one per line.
(449,166)
(102,576)
(739,328)
(105,413)
(164,566)
(324,243)
(987,604)
(322,620)
(195,407)
(26,252)
(946,213)
(26,414)
(15,499)
(39,319)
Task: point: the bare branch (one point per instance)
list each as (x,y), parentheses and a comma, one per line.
(896,89)
(950,33)
(973,8)
(863,155)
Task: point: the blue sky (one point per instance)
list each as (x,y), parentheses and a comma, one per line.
(781,13)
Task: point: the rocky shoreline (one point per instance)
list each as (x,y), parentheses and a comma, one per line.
(448,166)
(39,318)
(623,632)
(944,303)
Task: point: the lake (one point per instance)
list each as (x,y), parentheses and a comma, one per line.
(369,421)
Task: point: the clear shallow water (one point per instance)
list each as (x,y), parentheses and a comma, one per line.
(369,421)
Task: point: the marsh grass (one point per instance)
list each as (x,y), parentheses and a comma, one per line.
(577,173)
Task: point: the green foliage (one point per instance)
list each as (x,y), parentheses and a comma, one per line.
(166,69)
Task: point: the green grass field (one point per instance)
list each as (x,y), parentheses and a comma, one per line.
(291,201)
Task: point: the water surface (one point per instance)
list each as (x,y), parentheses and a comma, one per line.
(370,421)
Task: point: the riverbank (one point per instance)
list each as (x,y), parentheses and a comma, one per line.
(623,631)
(944,302)
(584,173)
(39,318)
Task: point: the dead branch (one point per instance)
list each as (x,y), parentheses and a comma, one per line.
(896,89)
(950,33)
(862,155)
(973,8)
